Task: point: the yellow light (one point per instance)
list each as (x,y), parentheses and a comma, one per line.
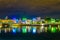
(42,28)
(9,29)
(11,21)
(15,25)
(0,25)
(45,29)
(29,28)
(28,21)
(34,22)
(5,21)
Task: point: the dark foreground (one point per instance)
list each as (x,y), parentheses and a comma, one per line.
(30,36)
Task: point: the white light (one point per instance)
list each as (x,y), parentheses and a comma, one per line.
(29,29)
(38,18)
(0,30)
(23,22)
(42,28)
(28,21)
(5,30)
(42,24)
(34,30)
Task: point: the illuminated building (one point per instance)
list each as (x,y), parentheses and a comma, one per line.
(34,21)
(28,21)
(34,25)
(24,20)
(38,18)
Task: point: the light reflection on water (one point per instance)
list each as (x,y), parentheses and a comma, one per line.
(28,29)
(34,29)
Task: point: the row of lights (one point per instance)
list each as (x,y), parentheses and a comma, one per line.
(36,20)
(29,29)
(25,20)
(23,30)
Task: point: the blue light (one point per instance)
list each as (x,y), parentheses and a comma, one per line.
(18,30)
(34,19)
(14,30)
(34,30)
(16,20)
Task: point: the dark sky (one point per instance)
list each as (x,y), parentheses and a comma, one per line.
(30,8)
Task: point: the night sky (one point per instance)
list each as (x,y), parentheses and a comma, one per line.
(30,8)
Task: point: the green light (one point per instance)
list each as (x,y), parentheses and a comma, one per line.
(49,28)
(52,20)
(59,28)
(24,18)
(24,30)
(53,29)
